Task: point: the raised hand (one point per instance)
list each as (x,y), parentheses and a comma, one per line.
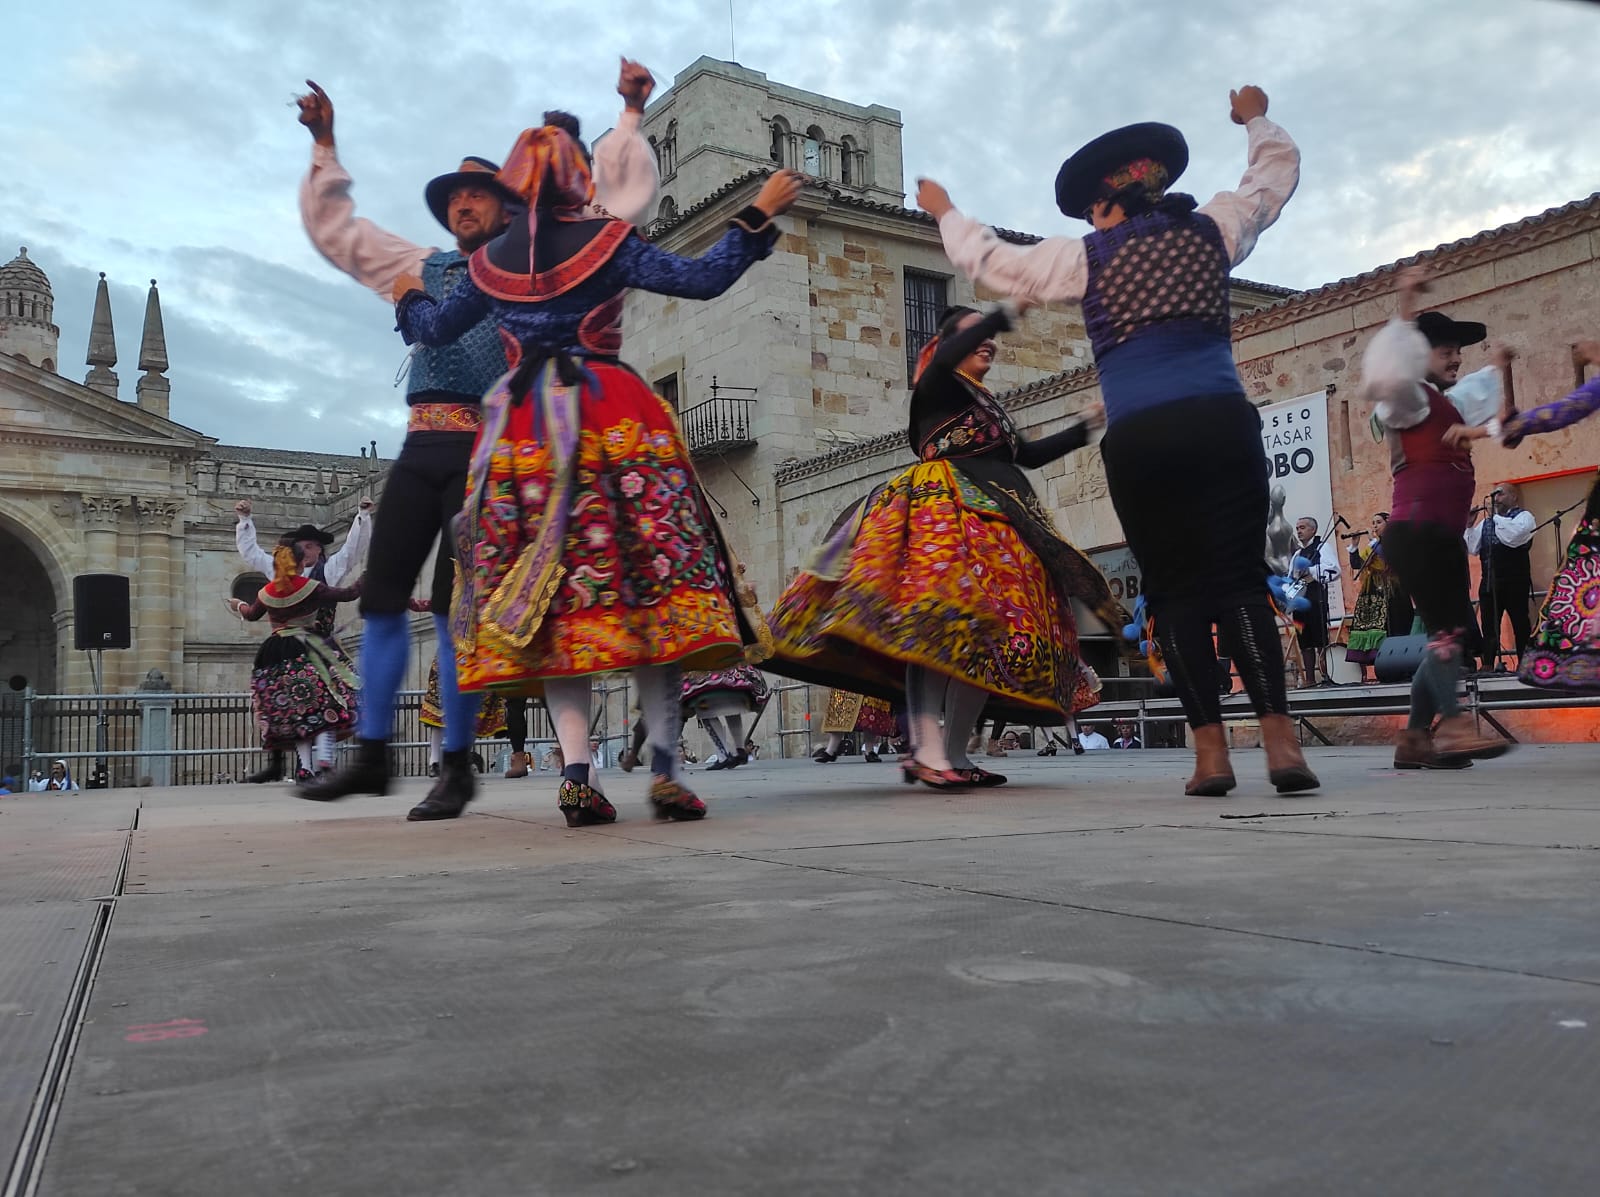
(365,505)
(1247,103)
(779,192)
(242,509)
(634,85)
(933,199)
(1412,284)
(316,114)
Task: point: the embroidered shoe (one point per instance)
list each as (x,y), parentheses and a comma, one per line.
(583,805)
(671,800)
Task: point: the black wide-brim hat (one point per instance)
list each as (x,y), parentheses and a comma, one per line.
(1441,330)
(1078,182)
(473,171)
(309,532)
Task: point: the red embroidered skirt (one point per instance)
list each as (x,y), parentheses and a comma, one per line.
(644,579)
(930,573)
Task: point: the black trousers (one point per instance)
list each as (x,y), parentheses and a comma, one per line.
(1508,596)
(1188,480)
(425,489)
(1430,562)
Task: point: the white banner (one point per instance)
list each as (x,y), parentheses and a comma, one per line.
(1294,436)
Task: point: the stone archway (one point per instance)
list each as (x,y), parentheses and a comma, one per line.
(28,649)
(28,605)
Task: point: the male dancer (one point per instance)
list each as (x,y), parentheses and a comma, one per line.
(1410,374)
(341,569)
(427,482)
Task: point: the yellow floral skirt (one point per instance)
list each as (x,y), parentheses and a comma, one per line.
(930,571)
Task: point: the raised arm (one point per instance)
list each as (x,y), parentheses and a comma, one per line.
(244,536)
(372,256)
(422,318)
(346,562)
(1035,453)
(627,177)
(648,268)
(1272,172)
(1053,271)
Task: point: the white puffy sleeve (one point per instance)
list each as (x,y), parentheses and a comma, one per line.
(1392,370)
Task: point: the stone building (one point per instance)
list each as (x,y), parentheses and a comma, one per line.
(810,352)
(1535,283)
(92,483)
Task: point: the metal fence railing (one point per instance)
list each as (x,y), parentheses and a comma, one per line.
(161,738)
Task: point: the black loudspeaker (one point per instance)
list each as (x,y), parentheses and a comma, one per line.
(100,612)
(1399,657)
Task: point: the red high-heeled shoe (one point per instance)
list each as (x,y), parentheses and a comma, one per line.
(913,771)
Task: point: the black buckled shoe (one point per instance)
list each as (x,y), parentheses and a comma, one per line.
(273,771)
(451,793)
(584,806)
(367,774)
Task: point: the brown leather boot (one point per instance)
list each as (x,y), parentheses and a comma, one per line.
(1415,751)
(517,766)
(1458,738)
(1213,774)
(1286,764)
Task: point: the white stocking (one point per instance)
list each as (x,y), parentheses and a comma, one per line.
(661,702)
(924,699)
(435,745)
(963,707)
(567,700)
(324,750)
(735,733)
(835,742)
(302,749)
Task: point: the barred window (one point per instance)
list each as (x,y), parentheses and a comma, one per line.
(925,299)
(667,388)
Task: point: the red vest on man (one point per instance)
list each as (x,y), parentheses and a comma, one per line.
(1433,481)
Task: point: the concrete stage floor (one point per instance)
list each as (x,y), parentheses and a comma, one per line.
(1083,983)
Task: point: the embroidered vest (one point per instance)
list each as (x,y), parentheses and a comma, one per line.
(976,430)
(1433,481)
(468,367)
(1155,270)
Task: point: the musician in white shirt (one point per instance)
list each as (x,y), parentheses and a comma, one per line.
(1321,578)
(1502,542)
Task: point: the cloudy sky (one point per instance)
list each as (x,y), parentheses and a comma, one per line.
(159,140)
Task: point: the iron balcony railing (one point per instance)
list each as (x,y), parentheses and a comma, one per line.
(717,426)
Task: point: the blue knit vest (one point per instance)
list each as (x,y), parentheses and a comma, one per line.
(1156,311)
(466,368)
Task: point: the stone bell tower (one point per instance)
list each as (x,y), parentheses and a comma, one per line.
(26,306)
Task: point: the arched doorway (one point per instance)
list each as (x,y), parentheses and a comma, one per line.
(28,650)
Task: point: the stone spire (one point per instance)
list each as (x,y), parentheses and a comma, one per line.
(154,391)
(102,344)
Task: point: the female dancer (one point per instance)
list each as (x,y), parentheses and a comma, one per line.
(1382,608)
(725,696)
(1182,447)
(587,544)
(948,584)
(871,720)
(303,683)
(1564,653)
